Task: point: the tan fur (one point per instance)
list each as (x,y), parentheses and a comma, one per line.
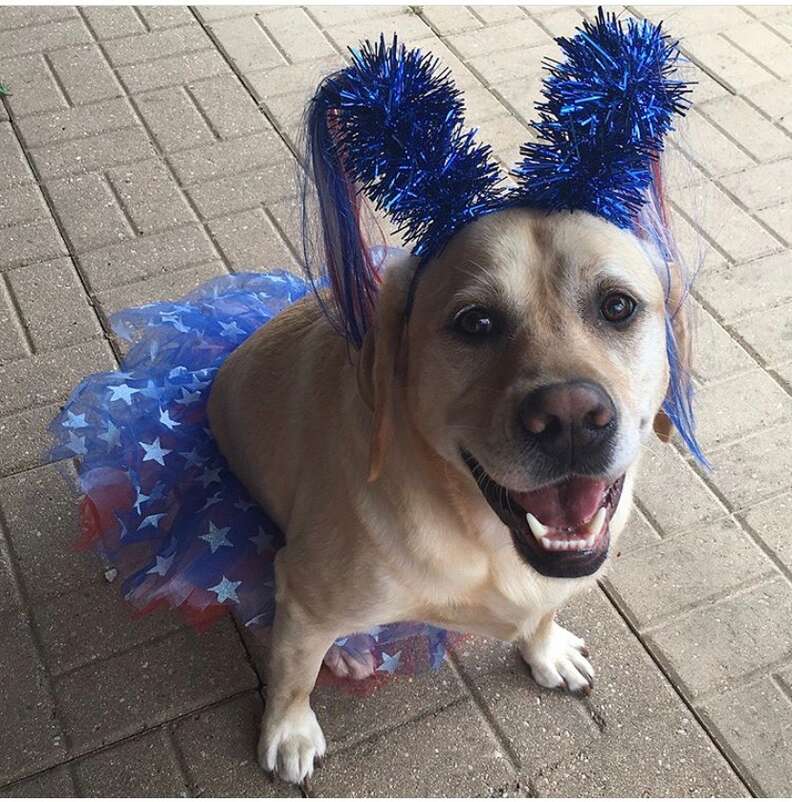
(305,426)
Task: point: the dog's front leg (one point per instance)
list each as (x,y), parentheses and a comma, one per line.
(291,737)
(557,658)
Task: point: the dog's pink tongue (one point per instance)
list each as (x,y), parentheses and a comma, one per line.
(566,505)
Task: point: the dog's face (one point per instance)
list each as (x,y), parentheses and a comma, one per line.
(536,363)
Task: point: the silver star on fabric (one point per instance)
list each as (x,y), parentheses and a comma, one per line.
(123,392)
(76,444)
(111,435)
(75,421)
(244,505)
(230,330)
(151,520)
(188,397)
(163,565)
(217,537)
(212,500)
(154,451)
(209,476)
(192,457)
(261,540)
(389,662)
(142,498)
(166,420)
(226,589)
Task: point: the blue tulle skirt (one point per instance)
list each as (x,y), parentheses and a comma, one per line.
(159,503)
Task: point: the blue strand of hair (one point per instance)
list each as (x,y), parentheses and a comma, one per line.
(391,127)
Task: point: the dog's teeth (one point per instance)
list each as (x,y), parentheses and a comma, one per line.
(577,544)
(547,543)
(538,529)
(595,526)
(590,541)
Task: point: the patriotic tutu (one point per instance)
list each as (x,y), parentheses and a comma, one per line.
(160,504)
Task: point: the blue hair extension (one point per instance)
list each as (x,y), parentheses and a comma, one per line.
(605,112)
(391,126)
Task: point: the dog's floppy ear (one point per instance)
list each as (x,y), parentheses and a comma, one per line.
(382,360)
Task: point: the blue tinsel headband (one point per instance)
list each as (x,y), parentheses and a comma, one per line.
(391,127)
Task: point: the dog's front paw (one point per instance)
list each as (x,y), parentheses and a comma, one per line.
(290,745)
(558,660)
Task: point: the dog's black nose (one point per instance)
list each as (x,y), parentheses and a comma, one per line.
(571,421)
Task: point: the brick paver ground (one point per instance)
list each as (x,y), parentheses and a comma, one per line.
(147,149)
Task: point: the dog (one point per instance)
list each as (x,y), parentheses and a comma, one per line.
(470,466)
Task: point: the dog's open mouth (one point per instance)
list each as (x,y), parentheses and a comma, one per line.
(562,529)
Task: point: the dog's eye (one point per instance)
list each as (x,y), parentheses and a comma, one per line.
(475,321)
(618,307)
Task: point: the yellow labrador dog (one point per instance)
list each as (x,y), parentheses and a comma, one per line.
(470,466)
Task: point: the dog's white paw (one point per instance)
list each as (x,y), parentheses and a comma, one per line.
(290,745)
(343,664)
(559,661)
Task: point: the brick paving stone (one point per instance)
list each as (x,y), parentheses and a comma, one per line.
(664,755)
(149,196)
(49,376)
(35,38)
(93,622)
(693,20)
(165,287)
(147,257)
(140,49)
(12,338)
(779,219)
(664,479)
(159,17)
(735,407)
(770,521)
(84,74)
(228,107)
(522,33)
(732,114)
(328,16)
(89,211)
(32,85)
(151,684)
(559,23)
(501,67)
(410,28)
(667,578)
(448,20)
(295,34)
(30,242)
(173,119)
(40,510)
(444,753)
(760,743)
(637,534)
(299,80)
(24,439)
(762,186)
(246,43)
(76,123)
(492,15)
(10,600)
(764,45)
(141,767)
(716,153)
(101,150)
(31,738)
(218,746)
(225,158)
(23,16)
(249,241)
(14,165)
(718,643)
(774,99)
(172,71)
(286,111)
(720,57)
(726,224)
(53,304)
(109,22)
(734,291)
(755,468)
(238,192)
(55,783)
(770,336)
(541,726)
(716,354)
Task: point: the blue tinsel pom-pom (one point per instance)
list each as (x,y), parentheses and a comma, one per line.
(400,128)
(605,113)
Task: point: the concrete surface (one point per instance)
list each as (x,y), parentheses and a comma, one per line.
(147,149)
